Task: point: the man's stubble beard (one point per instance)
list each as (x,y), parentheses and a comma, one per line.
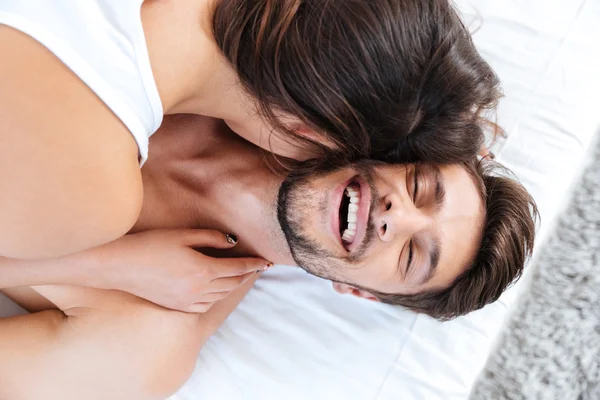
(296,200)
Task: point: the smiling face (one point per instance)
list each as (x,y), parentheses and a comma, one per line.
(390,228)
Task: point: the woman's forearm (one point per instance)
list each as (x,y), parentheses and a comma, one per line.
(81,269)
(17,273)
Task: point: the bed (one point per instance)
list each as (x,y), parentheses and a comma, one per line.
(293,337)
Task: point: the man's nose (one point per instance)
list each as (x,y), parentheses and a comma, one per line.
(399,217)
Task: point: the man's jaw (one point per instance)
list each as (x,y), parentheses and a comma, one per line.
(349,213)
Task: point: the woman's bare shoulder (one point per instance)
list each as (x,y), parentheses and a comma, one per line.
(69,172)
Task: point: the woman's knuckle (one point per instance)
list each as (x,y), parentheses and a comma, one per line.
(203,274)
(244,266)
(187,287)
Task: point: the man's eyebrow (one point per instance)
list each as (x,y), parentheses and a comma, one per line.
(440,187)
(434,260)
(435,251)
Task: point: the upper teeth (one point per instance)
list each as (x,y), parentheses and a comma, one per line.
(353,192)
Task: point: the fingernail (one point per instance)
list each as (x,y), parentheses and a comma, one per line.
(231,239)
(269,265)
(492,155)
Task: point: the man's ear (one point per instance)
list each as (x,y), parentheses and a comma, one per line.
(343,288)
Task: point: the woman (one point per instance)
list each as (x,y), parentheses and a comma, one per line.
(84,84)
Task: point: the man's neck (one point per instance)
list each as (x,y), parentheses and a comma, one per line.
(200,175)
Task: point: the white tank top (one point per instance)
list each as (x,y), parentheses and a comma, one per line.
(103,43)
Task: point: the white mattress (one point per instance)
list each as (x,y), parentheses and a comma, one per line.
(294,338)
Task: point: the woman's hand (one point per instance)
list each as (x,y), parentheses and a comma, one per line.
(162,266)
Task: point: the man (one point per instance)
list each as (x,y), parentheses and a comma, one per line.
(416,235)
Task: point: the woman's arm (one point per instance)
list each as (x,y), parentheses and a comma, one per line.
(162,266)
(69,172)
(103,344)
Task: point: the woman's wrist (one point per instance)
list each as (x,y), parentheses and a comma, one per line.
(20,273)
(89,268)
(16,273)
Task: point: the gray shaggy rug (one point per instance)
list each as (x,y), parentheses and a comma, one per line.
(551,349)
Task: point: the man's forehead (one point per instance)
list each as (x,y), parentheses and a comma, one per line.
(454,240)
(463,194)
(461,223)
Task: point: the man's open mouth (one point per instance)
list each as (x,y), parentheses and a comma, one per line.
(349,212)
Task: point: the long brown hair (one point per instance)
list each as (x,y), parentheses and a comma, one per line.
(395,80)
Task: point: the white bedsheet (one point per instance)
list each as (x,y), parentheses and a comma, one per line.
(294,338)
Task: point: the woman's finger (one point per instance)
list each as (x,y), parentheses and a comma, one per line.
(230,283)
(230,267)
(206,238)
(200,307)
(214,297)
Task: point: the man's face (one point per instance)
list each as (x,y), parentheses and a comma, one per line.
(412,227)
